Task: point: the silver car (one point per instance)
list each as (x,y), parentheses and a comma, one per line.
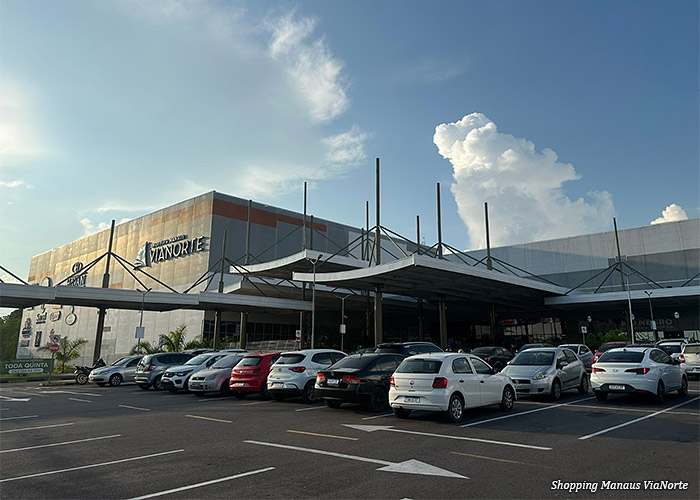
(690,359)
(215,378)
(583,353)
(178,377)
(121,370)
(547,371)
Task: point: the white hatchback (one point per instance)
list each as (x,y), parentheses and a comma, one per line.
(294,373)
(449,382)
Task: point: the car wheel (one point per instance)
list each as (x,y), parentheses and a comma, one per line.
(265,392)
(333,403)
(455,408)
(401,413)
(101,384)
(377,399)
(508,399)
(239,394)
(115,380)
(158,383)
(186,385)
(225,389)
(278,397)
(600,395)
(683,391)
(308,395)
(583,386)
(556,389)
(144,387)
(660,393)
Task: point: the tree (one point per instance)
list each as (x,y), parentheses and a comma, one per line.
(174,341)
(67,350)
(144,347)
(9,334)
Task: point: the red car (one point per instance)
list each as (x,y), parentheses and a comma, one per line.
(608,345)
(249,376)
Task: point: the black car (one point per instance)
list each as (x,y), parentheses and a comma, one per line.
(407,348)
(497,357)
(358,378)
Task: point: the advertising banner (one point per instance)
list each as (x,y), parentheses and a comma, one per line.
(26,366)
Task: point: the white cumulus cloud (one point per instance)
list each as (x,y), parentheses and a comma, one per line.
(524,187)
(671,213)
(90,228)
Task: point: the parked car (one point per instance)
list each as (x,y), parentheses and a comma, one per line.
(630,370)
(547,370)
(117,372)
(407,348)
(358,378)
(673,347)
(494,356)
(690,359)
(177,377)
(249,376)
(532,346)
(294,373)
(216,377)
(448,382)
(149,371)
(605,347)
(583,353)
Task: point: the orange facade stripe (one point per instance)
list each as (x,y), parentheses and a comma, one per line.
(258,216)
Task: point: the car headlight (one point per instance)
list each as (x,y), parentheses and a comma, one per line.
(183,373)
(539,375)
(212,376)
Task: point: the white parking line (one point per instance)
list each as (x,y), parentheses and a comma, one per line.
(17,418)
(588,436)
(206,483)
(257,403)
(37,427)
(60,444)
(525,412)
(89,466)
(74,393)
(81,400)
(311,408)
(378,416)
(134,407)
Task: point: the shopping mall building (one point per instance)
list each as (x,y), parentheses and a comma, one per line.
(555,290)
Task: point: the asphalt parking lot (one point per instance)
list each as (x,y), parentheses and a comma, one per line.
(121,442)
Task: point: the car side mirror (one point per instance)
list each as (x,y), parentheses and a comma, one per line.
(562,364)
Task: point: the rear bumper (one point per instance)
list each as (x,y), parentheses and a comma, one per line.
(345,395)
(246,385)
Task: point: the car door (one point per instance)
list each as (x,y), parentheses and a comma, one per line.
(585,355)
(319,361)
(573,370)
(490,385)
(671,373)
(468,380)
(129,370)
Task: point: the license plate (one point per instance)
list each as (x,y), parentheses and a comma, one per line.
(411,399)
(616,387)
(238,384)
(519,387)
(333,381)
(277,384)
(195,386)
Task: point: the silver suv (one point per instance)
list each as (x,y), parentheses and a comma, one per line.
(150,369)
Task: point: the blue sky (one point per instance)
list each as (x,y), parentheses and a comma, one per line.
(560,115)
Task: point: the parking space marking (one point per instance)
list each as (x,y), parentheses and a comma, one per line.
(18,418)
(81,400)
(38,474)
(504,460)
(135,407)
(206,483)
(524,412)
(311,408)
(60,444)
(212,419)
(324,435)
(75,393)
(379,416)
(640,410)
(37,427)
(257,403)
(30,393)
(588,436)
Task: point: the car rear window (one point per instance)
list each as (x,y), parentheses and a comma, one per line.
(692,349)
(419,366)
(606,347)
(670,348)
(353,362)
(290,359)
(252,361)
(621,357)
(482,350)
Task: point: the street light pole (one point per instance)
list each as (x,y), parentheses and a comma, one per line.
(651,313)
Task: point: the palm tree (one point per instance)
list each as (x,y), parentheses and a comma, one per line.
(67,350)
(144,347)
(174,341)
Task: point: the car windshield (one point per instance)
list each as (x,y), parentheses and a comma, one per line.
(252,361)
(198,360)
(692,349)
(354,361)
(482,350)
(530,358)
(419,366)
(118,362)
(622,357)
(227,362)
(290,359)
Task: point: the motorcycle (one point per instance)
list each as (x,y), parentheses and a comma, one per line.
(82,372)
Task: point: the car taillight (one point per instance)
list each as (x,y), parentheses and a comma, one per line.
(597,370)
(638,371)
(151,368)
(320,378)
(256,372)
(439,383)
(351,379)
(681,358)
(391,382)
(298,369)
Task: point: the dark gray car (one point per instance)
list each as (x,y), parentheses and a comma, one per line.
(149,372)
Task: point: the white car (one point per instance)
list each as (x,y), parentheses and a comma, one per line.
(294,373)
(628,370)
(547,371)
(215,378)
(178,377)
(449,382)
(690,359)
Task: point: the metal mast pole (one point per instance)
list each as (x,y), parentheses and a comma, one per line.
(439,223)
(489,262)
(303,238)
(102,311)
(217,318)
(619,256)
(378,325)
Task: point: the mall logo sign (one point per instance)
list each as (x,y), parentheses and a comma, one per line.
(179,246)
